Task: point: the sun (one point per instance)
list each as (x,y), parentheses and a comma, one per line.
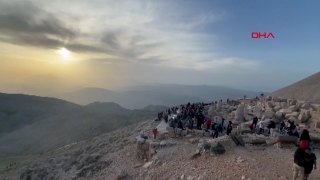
(64,54)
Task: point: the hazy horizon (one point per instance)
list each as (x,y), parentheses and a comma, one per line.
(57,46)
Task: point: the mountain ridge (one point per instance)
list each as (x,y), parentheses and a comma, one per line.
(306,89)
(165,94)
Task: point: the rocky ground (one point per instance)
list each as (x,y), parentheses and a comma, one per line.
(113,156)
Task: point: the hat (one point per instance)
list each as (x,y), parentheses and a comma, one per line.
(304,144)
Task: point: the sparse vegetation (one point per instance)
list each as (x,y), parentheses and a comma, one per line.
(217,149)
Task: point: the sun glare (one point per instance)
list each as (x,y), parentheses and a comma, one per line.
(64,54)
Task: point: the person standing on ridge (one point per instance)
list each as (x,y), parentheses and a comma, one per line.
(155,132)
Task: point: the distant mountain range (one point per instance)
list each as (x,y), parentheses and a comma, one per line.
(307,89)
(30,124)
(140,96)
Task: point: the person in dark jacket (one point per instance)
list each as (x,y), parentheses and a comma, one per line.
(254,122)
(310,164)
(300,161)
(180,125)
(215,130)
(229,128)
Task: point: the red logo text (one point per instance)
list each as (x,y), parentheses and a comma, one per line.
(264,35)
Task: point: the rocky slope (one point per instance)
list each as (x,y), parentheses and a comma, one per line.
(306,89)
(32,124)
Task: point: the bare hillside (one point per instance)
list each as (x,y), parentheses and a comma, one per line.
(305,89)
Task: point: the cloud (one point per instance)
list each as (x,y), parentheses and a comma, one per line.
(24,23)
(77,47)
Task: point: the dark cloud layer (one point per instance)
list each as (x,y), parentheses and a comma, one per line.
(24,23)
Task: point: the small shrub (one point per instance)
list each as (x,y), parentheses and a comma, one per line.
(218,149)
(206,146)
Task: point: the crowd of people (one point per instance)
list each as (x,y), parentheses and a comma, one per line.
(193,116)
(285,127)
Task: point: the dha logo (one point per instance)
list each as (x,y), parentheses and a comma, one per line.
(259,35)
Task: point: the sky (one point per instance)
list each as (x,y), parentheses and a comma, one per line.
(55,46)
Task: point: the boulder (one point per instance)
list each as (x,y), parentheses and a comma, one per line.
(239,113)
(254,139)
(163,143)
(226,141)
(258,112)
(232,115)
(268,114)
(246,112)
(270,104)
(293,108)
(154,145)
(316,107)
(195,154)
(315,138)
(295,114)
(292,101)
(244,128)
(285,111)
(304,116)
(268,98)
(287,139)
(237,140)
(294,119)
(306,105)
(147,164)
(283,104)
(277,108)
(278,115)
(162,127)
